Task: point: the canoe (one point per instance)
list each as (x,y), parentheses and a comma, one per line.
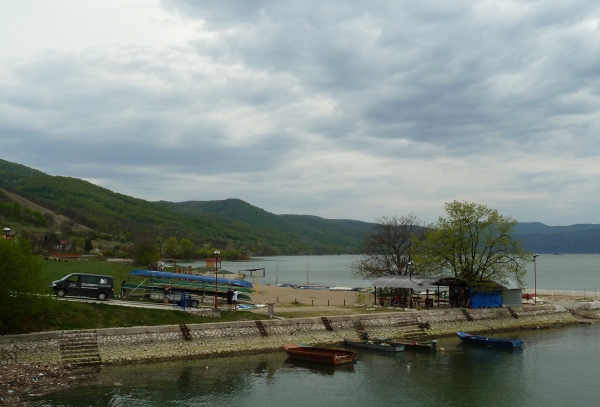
(408,344)
(487,341)
(375,345)
(190,277)
(319,355)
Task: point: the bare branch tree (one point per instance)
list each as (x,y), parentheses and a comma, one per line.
(387,247)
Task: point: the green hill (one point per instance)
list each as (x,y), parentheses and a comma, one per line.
(221,223)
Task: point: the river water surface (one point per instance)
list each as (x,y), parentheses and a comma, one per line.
(575,272)
(556,367)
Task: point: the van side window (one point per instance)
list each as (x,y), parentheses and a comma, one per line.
(103,281)
(73,279)
(89,280)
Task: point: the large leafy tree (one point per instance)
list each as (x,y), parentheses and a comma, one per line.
(386,248)
(187,249)
(474,244)
(170,246)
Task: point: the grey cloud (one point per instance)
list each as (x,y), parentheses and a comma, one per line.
(274,94)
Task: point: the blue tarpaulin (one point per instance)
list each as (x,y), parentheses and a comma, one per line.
(486,300)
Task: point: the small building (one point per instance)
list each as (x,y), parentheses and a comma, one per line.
(459,293)
(211,261)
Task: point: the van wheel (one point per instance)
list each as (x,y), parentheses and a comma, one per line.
(101,296)
(195,303)
(61,293)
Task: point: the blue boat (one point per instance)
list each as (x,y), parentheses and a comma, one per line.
(189,277)
(487,341)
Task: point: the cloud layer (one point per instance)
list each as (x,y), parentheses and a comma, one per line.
(339,109)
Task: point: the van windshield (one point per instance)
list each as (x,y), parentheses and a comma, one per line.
(72,278)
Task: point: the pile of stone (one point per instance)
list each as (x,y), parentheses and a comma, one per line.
(19,382)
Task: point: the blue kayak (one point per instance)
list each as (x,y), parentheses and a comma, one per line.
(190,277)
(487,341)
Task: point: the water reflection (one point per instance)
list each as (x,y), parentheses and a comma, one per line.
(545,372)
(318,368)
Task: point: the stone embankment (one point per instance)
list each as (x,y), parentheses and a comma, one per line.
(121,345)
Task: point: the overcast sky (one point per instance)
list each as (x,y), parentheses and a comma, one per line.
(340,109)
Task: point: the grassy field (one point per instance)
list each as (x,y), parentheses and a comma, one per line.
(55,270)
(50,314)
(46,313)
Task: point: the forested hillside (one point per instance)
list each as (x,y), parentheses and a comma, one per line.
(230,223)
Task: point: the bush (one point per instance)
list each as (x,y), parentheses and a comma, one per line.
(20,282)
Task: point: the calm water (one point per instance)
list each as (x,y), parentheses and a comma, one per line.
(566,272)
(556,367)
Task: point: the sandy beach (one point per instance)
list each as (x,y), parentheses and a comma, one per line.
(285,296)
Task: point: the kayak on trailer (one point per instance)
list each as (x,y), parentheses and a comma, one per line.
(198,285)
(190,277)
(177,289)
(488,341)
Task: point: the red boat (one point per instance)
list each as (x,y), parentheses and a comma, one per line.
(319,355)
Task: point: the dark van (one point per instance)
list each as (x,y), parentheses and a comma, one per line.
(85,285)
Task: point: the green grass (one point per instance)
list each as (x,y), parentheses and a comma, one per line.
(55,270)
(50,314)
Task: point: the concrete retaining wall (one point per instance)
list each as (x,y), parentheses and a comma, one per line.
(163,342)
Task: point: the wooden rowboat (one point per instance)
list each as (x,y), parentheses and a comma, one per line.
(375,345)
(487,341)
(408,344)
(319,355)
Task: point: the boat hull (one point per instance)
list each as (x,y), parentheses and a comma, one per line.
(379,346)
(319,355)
(409,345)
(487,341)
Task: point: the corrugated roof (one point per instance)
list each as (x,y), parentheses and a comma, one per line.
(423,283)
(414,282)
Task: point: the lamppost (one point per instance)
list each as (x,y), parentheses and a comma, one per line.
(534,280)
(409,270)
(216,278)
(175,259)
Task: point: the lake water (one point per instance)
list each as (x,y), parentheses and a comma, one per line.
(554,272)
(557,367)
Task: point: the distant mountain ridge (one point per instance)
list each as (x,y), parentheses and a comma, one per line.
(540,238)
(231,222)
(235,222)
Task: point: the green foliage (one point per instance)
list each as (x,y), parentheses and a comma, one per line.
(146,253)
(20,281)
(88,245)
(187,249)
(13,211)
(231,223)
(474,244)
(170,246)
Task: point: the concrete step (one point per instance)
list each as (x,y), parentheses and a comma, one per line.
(80,352)
(78,345)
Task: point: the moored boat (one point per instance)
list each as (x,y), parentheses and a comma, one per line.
(319,355)
(488,341)
(375,345)
(410,345)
